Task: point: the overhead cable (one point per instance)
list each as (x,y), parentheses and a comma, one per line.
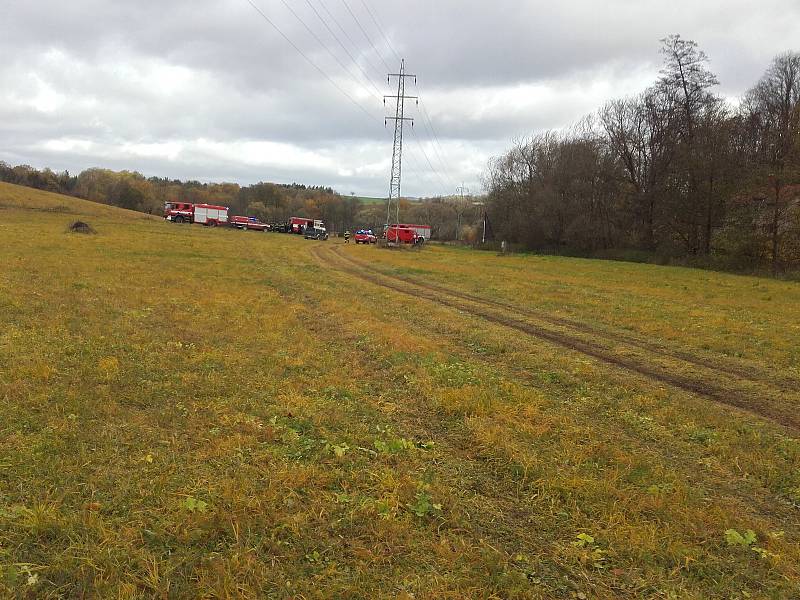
(311,62)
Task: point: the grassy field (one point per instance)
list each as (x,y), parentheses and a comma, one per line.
(371,200)
(197,413)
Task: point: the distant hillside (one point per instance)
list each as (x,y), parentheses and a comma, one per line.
(14,196)
(371,200)
(270,202)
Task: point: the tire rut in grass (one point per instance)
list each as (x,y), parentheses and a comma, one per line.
(498,517)
(504,519)
(744,400)
(746,373)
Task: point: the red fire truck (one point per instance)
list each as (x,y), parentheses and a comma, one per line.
(400,234)
(300,224)
(205,214)
(250,223)
(423,231)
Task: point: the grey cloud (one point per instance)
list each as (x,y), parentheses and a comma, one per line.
(118,74)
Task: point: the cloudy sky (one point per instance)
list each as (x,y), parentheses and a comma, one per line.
(210,90)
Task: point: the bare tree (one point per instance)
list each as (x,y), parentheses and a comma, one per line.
(664,171)
(641,132)
(686,78)
(772,109)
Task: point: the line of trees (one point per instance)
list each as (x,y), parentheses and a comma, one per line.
(270,202)
(450,218)
(674,172)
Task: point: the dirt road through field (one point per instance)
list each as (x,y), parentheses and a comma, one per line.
(732,385)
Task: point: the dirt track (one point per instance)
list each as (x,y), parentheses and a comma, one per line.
(743,388)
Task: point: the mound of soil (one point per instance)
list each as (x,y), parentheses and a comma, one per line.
(80,227)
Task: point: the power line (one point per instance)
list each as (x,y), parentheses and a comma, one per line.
(413,170)
(366,35)
(462,189)
(413,166)
(311,62)
(432,169)
(429,122)
(380,29)
(437,146)
(428,160)
(342,90)
(426,120)
(397,148)
(319,41)
(347,35)
(336,37)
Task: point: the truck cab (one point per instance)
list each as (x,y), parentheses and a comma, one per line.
(179,212)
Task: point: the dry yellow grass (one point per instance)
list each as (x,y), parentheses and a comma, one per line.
(729,315)
(194,413)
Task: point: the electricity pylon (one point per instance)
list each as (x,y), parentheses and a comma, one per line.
(462,189)
(399,119)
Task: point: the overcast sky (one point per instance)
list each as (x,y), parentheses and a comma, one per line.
(209,90)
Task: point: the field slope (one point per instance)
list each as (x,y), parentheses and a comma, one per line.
(197,413)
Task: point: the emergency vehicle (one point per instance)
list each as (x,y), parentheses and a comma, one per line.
(423,231)
(400,234)
(364,236)
(250,223)
(300,224)
(205,214)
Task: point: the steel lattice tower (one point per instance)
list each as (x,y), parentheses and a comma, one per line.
(397,150)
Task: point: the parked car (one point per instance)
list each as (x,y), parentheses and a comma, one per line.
(365,236)
(250,223)
(316,233)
